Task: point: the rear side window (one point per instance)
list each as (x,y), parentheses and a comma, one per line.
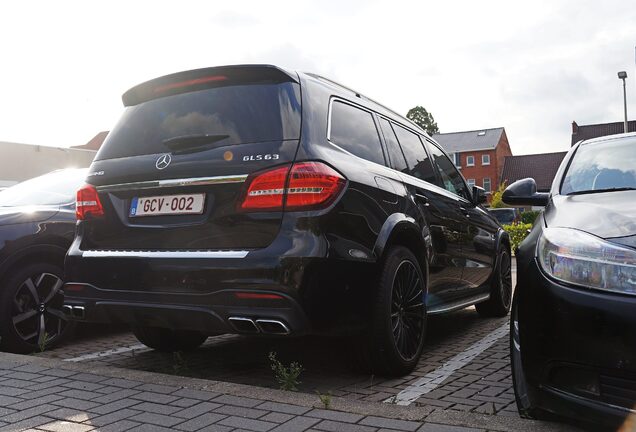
(354,130)
(237,114)
(393,147)
(416,156)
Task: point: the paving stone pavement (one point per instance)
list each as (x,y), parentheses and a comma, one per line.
(50,395)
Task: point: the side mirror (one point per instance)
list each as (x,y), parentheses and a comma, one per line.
(524,192)
(479,195)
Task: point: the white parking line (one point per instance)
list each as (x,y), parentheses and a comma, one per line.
(433,379)
(121,350)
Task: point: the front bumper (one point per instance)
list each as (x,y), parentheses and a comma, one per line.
(578,348)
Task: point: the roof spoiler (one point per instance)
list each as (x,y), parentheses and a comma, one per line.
(199,79)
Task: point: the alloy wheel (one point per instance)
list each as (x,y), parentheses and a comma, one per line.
(407,310)
(37,310)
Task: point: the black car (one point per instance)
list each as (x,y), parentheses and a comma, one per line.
(506,216)
(573,334)
(252,200)
(37,224)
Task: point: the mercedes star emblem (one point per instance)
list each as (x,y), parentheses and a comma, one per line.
(163,161)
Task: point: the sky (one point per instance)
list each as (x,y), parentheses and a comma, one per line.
(532,67)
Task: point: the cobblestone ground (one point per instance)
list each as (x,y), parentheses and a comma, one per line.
(482,386)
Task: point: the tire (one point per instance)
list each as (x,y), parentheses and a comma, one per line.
(393,345)
(498,305)
(525,406)
(167,340)
(31,317)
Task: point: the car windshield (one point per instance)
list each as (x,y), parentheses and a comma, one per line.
(603,166)
(55,188)
(504,216)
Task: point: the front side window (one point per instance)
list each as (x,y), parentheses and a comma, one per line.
(487,186)
(470,160)
(452,180)
(393,147)
(416,157)
(602,166)
(354,130)
(485,159)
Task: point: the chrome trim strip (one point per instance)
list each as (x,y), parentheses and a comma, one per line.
(163,254)
(153,184)
(457,306)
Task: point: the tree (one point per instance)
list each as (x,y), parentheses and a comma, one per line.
(495,200)
(423,119)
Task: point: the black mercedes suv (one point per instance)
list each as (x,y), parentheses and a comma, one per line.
(253,200)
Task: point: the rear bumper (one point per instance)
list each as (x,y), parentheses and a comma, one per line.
(578,349)
(293,281)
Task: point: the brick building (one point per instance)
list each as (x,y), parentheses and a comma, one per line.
(583,132)
(479,154)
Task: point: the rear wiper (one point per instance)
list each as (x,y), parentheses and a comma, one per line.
(192,143)
(591,191)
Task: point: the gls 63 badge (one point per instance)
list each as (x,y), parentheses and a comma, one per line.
(260,157)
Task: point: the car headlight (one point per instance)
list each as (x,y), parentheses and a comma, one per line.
(579,258)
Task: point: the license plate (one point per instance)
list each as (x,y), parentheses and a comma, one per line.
(167,205)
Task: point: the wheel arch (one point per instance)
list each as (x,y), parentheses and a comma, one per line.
(403,230)
(49,253)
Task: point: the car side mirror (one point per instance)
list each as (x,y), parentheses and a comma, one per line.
(479,195)
(524,192)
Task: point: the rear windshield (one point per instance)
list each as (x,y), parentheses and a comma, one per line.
(245,114)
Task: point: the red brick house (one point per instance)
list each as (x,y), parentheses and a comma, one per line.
(583,132)
(479,154)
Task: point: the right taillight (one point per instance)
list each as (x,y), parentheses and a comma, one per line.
(88,203)
(304,186)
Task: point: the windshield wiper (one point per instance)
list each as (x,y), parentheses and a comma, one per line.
(193,143)
(591,191)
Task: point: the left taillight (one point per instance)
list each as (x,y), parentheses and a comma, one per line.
(88,203)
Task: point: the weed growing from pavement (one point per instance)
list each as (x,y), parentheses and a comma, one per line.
(43,341)
(325,399)
(287,377)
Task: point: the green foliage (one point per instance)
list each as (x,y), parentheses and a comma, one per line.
(529,217)
(325,399)
(43,342)
(179,364)
(423,119)
(495,200)
(517,232)
(287,377)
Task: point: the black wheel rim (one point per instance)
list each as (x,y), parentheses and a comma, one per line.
(37,310)
(505,278)
(407,310)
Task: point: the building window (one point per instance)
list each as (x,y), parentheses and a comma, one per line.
(485,159)
(487,184)
(471,183)
(470,160)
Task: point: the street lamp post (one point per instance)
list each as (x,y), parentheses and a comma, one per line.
(623,75)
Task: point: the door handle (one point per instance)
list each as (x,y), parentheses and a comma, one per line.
(464,211)
(421,198)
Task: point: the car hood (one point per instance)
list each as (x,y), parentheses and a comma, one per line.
(24,214)
(606,215)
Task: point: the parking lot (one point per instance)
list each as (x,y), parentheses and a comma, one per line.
(465,365)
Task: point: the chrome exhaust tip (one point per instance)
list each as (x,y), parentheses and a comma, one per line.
(67,310)
(78,312)
(272,327)
(243,325)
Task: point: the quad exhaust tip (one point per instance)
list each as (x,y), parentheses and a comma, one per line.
(267,326)
(77,312)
